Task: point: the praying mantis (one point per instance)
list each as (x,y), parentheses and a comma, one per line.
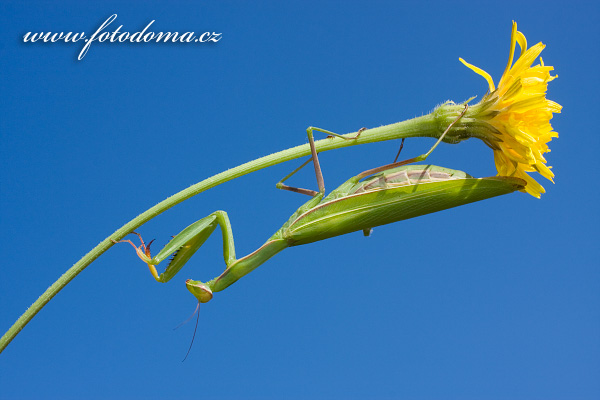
(379,196)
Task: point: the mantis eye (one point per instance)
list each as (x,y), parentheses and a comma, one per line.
(200,290)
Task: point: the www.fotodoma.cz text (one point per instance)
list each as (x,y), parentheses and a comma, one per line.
(118,36)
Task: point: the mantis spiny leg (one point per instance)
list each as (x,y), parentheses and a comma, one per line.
(186,243)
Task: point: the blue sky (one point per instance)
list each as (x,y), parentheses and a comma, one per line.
(493,300)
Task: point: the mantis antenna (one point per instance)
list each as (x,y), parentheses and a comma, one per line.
(197,312)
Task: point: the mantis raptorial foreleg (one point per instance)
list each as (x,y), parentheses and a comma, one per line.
(186,243)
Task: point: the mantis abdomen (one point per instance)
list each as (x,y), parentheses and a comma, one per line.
(404,193)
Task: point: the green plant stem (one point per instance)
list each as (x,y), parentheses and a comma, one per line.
(431,125)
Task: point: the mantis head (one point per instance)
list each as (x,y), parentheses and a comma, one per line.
(200,290)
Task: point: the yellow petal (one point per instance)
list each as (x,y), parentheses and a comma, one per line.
(533,188)
(511,54)
(481,72)
(522,42)
(528,57)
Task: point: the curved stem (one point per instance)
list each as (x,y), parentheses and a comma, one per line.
(426,126)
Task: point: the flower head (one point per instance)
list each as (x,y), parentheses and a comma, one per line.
(514,118)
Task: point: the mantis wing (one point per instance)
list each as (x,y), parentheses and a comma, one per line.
(386,205)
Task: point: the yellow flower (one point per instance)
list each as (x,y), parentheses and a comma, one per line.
(517,114)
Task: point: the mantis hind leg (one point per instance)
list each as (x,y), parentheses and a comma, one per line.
(422,157)
(399,150)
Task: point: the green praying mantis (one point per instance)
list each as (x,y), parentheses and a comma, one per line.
(372,198)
